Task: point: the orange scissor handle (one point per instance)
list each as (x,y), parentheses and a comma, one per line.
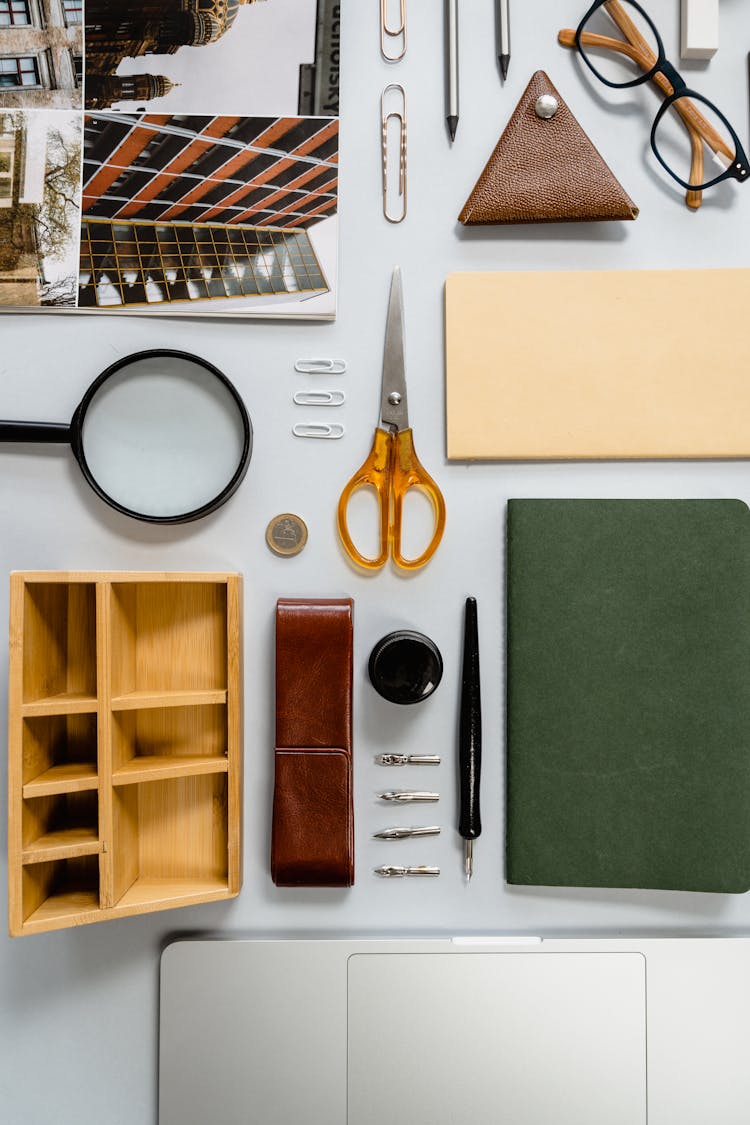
(374,473)
(408,472)
(391,469)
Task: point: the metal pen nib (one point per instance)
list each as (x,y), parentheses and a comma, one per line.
(469,860)
(406,795)
(395,871)
(407,759)
(405,833)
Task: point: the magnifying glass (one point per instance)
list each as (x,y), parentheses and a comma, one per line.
(162,436)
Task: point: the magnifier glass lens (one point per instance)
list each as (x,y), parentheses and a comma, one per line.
(163,436)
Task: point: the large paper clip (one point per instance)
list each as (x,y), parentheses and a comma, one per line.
(392,35)
(399,116)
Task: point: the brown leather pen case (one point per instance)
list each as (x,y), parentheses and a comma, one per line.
(312,842)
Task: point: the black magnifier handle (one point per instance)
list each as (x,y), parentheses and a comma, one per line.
(55,433)
(470,736)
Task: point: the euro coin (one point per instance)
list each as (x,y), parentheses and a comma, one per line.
(286,534)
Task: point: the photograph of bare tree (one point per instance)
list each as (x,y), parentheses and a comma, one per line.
(40,174)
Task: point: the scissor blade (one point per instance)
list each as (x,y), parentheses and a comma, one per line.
(393,406)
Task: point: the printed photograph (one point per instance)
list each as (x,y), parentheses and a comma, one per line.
(40,173)
(41,54)
(258,57)
(215,214)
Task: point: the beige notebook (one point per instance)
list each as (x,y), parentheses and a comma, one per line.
(615,364)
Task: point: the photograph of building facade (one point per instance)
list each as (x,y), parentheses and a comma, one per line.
(41,54)
(120,29)
(269,57)
(319,80)
(192,209)
(40,168)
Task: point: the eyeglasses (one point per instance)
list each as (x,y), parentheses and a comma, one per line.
(681,132)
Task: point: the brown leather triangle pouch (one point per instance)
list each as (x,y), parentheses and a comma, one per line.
(545,170)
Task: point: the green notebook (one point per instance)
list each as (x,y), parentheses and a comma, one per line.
(628,759)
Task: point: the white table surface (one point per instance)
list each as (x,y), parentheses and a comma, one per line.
(78,1013)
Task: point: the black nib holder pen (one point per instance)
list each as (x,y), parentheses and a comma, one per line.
(470,737)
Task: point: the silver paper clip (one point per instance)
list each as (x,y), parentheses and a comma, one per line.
(330,430)
(399,116)
(395,871)
(391,34)
(319,398)
(320,366)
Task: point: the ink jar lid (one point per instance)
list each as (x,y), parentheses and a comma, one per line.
(405,667)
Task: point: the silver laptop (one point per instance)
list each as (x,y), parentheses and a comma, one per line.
(455,1032)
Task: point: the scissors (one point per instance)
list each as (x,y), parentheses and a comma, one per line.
(392,467)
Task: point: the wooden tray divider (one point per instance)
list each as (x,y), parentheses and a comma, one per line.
(104,731)
(153,661)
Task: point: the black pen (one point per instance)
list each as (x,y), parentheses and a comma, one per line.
(503,35)
(470,739)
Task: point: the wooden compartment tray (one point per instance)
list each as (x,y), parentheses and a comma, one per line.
(124,745)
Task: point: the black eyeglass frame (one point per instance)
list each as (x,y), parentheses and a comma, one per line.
(740,167)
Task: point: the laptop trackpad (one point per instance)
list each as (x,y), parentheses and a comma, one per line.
(482,1038)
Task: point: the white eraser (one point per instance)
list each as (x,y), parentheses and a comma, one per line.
(699,38)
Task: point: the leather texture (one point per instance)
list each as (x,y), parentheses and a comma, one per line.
(545,171)
(312,840)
